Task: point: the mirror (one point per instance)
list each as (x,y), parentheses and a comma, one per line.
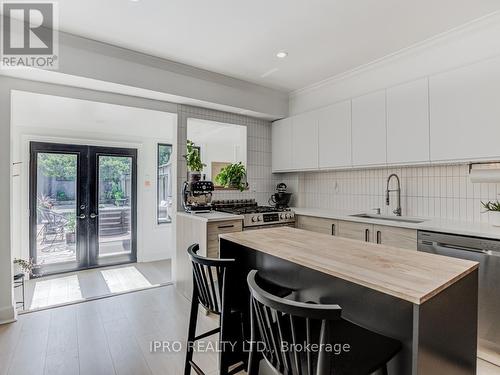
(219,144)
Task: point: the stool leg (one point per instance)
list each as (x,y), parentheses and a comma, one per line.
(193,317)
(24,300)
(253,356)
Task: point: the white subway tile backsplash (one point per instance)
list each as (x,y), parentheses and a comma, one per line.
(431,191)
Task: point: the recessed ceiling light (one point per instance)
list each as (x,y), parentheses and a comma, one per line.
(282,54)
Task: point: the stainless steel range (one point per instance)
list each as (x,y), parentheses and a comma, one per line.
(255,216)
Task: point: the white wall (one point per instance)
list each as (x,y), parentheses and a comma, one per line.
(474,42)
(47,118)
(219,142)
(7,311)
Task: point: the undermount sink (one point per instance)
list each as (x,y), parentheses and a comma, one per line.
(389,218)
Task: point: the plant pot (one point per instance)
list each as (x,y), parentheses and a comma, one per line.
(17,269)
(194,176)
(494,218)
(70,238)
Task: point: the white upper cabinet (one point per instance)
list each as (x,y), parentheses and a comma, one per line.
(465,113)
(305,141)
(369,130)
(334,132)
(408,123)
(282,145)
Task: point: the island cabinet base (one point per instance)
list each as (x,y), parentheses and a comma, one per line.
(439,336)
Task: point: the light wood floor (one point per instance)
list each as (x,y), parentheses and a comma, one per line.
(77,286)
(109,336)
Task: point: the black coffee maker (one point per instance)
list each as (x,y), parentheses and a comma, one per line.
(281,198)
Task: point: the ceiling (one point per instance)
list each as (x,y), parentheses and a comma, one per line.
(240,38)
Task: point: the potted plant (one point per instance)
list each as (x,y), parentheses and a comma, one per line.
(493,209)
(193,161)
(119,198)
(24,266)
(234,176)
(71,230)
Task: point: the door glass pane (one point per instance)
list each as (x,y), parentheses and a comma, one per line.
(115,203)
(56,195)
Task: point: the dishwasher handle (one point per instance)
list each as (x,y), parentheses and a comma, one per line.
(464,248)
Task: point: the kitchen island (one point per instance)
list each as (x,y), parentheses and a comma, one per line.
(428,302)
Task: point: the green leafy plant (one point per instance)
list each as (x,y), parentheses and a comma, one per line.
(491,206)
(233,176)
(27,266)
(193,158)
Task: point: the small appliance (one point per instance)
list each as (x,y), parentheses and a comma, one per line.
(197,196)
(281,198)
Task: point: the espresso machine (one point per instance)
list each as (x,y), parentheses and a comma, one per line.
(197,196)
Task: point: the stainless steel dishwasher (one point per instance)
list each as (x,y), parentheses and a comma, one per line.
(487,253)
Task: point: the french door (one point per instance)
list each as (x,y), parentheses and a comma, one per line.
(83,209)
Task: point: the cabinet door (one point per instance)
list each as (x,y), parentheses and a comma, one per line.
(220,227)
(305,141)
(282,145)
(317,224)
(355,231)
(402,238)
(369,130)
(334,132)
(465,112)
(408,122)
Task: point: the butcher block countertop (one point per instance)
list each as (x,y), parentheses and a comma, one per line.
(409,275)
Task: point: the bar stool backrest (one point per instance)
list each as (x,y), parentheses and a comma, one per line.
(209,279)
(289,329)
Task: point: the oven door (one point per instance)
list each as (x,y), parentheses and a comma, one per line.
(267,226)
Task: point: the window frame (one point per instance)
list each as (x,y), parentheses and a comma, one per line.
(158,146)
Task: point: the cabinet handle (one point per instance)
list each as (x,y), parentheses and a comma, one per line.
(226,226)
(367,235)
(379,237)
(334,232)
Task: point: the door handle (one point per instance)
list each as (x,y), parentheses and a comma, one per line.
(93,215)
(82,216)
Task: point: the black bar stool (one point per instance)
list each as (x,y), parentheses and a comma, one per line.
(210,289)
(286,327)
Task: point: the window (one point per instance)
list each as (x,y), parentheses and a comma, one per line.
(164,184)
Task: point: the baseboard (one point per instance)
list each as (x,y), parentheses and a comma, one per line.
(7,315)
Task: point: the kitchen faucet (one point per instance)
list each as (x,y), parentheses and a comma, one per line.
(397,211)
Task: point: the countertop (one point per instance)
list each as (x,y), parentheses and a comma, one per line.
(484,230)
(212,216)
(409,275)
